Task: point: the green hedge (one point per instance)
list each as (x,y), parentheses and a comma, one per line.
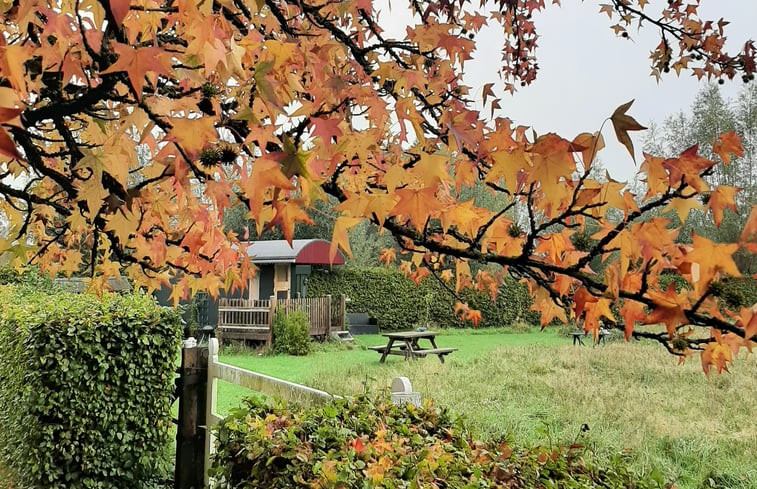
(398,303)
(31,277)
(363,444)
(736,292)
(86,385)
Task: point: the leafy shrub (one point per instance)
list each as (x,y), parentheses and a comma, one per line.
(370,444)
(86,387)
(291,333)
(30,277)
(398,303)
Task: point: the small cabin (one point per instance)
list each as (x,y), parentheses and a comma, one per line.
(283,270)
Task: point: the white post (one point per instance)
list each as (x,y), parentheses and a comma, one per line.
(211,417)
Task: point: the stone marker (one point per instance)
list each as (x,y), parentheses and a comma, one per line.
(402,392)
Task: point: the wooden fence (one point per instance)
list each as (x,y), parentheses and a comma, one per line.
(243,319)
(199,375)
(264,384)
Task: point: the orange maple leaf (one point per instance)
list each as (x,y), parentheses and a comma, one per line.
(7,145)
(688,168)
(549,310)
(722,198)
(340,238)
(465,313)
(748,321)
(138,63)
(266,175)
(632,312)
(419,275)
(288,213)
(748,237)
(708,259)
(418,204)
(589,145)
(718,355)
(727,145)
(119,9)
(553,163)
(387,256)
(668,309)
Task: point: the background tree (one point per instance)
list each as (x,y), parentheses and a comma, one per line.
(710,116)
(273,104)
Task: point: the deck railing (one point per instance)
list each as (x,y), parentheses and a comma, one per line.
(253,319)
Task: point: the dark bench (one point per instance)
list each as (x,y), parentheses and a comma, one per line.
(362,323)
(578,337)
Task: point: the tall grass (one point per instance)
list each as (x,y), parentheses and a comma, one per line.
(633,398)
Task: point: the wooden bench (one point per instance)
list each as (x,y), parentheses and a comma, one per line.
(381,348)
(440,352)
(578,337)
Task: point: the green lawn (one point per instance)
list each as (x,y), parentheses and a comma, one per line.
(536,388)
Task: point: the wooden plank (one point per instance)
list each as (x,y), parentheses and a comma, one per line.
(434,351)
(269,385)
(410,334)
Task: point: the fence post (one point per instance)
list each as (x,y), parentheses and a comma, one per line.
(271,314)
(191,432)
(329,326)
(342,312)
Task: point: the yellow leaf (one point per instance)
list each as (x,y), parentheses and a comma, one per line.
(340,238)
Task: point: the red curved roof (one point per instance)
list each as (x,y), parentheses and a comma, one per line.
(301,251)
(317,253)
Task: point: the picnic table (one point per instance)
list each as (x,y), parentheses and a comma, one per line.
(406,343)
(578,337)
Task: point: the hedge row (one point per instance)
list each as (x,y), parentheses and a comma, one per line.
(398,303)
(363,444)
(86,386)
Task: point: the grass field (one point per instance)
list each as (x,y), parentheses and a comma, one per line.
(537,389)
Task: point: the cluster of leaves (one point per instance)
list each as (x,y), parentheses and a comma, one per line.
(398,303)
(711,114)
(364,443)
(86,388)
(291,333)
(128,128)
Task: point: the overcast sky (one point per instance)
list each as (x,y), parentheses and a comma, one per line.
(586,72)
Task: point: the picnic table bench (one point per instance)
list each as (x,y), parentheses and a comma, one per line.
(407,345)
(578,336)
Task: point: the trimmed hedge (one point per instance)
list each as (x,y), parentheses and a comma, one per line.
(736,292)
(363,444)
(398,303)
(31,277)
(86,386)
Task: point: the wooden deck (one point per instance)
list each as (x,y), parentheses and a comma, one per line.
(243,319)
